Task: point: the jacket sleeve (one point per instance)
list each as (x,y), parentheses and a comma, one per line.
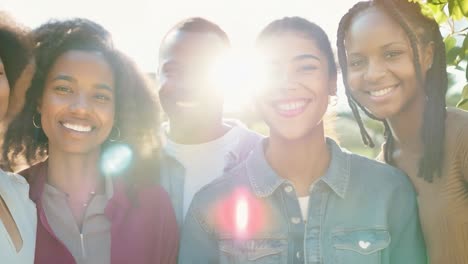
(198,245)
(407,245)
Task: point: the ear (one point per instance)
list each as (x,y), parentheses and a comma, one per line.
(332,86)
(427,56)
(39,105)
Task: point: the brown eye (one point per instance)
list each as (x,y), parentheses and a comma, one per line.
(392,54)
(63,89)
(307,68)
(102,97)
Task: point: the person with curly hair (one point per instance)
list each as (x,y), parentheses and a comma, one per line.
(17,212)
(89,126)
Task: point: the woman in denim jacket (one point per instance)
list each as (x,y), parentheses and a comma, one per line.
(300,198)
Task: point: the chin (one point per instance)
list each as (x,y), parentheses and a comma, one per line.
(289,135)
(80,150)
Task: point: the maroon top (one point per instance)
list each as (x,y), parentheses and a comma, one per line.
(144,231)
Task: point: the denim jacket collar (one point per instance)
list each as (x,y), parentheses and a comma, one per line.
(264,180)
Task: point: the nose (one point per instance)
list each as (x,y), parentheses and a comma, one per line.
(376,70)
(285,80)
(81,104)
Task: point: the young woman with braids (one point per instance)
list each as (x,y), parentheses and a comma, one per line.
(17,212)
(299,197)
(393,63)
(88,111)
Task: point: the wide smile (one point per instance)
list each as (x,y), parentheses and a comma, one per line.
(290,108)
(80,128)
(383,93)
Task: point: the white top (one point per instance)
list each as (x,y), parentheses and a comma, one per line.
(202,162)
(15,192)
(304,204)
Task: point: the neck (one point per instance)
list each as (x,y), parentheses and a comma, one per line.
(76,175)
(406,127)
(199,132)
(301,161)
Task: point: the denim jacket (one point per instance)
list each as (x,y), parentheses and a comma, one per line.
(172,172)
(360,211)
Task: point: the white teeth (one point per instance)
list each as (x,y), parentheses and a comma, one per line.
(291,106)
(381,92)
(187,103)
(79,128)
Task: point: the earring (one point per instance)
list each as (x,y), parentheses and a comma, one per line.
(34,121)
(115,139)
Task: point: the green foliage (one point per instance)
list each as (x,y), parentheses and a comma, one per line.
(463,104)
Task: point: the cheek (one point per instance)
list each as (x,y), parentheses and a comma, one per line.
(354,81)
(106,114)
(4,90)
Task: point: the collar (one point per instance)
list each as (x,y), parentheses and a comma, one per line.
(264,180)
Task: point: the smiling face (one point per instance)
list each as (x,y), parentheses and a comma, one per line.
(186,59)
(295,97)
(77,106)
(381,74)
(4,91)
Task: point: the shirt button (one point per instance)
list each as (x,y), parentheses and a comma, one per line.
(288,189)
(295,220)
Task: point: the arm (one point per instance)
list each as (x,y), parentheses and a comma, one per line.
(197,246)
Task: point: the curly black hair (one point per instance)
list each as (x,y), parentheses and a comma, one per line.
(420,30)
(136,106)
(15,47)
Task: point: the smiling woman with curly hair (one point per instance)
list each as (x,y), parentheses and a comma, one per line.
(90,120)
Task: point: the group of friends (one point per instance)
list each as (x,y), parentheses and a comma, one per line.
(92,175)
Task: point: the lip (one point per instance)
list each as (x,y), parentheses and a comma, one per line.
(77,127)
(291,107)
(382,93)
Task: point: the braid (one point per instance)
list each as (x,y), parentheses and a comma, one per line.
(433,128)
(353,104)
(389,142)
(408,16)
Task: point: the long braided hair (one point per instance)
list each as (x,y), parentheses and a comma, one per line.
(409,16)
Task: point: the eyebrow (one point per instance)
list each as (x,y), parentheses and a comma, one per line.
(73,80)
(305,57)
(383,47)
(104,87)
(392,43)
(64,78)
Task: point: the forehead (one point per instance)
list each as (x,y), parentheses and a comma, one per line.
(286,46)
(374,27)
(184,45)
(79,62)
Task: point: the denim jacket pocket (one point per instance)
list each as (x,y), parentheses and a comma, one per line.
(260,251)
(361,246)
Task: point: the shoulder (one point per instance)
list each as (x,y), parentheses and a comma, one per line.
(154,196)
(17,186)
(376,173)
(222,187)
(243,132)
(15,181)
(36,170)
(456,126)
